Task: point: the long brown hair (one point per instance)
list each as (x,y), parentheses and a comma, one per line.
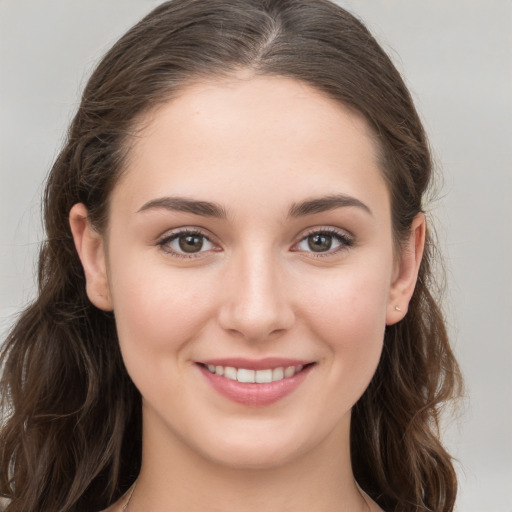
(71,435)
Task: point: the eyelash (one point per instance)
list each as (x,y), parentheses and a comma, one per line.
(345,241)
(169,238)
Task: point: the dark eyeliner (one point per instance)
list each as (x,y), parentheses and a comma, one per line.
(170,237)
(346,241)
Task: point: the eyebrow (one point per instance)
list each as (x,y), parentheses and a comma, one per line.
(182,204)
(326,203)
(208,209)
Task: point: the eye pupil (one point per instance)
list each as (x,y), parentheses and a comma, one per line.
(191,243)
(319,242)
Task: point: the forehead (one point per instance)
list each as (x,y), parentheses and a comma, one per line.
(237,137)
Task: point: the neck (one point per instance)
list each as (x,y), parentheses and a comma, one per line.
(175,477)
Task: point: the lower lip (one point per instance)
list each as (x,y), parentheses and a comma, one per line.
(255,394)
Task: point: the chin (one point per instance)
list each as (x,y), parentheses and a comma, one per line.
(261,446)
(258,456)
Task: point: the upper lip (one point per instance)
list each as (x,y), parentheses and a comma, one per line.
(256,364)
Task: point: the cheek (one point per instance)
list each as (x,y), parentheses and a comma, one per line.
(159,317)
(157,309)
(348,316)
(351,300)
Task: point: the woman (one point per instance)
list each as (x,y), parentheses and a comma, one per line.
(235,305)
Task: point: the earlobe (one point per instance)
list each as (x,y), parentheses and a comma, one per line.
(406,274)
(90,247)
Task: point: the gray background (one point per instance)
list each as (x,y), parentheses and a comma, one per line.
(457,59)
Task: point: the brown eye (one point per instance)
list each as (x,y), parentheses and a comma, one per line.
(319,242)
(186,243)
(329,242)
(190,243)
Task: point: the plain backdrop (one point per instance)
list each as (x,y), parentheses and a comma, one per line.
(456,56)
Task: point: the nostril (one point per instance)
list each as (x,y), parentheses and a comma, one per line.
(256,324)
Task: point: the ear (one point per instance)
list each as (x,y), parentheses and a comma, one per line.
(90,246)
(406,272)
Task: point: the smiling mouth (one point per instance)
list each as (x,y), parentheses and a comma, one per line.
(255,382)
(262,376)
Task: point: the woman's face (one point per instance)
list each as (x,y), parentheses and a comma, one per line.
(250,239)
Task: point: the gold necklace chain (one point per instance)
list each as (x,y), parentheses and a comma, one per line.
(129,497)
(361,492)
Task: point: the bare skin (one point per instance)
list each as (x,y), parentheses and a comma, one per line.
(265,275)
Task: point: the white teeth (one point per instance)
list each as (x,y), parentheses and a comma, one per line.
(255,376)
(230,372)
(244,375)
(289,371)
(263,376)
(277,374)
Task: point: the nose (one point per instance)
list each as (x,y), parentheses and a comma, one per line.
(256,301)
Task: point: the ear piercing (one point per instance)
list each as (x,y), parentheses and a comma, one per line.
(397,308)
